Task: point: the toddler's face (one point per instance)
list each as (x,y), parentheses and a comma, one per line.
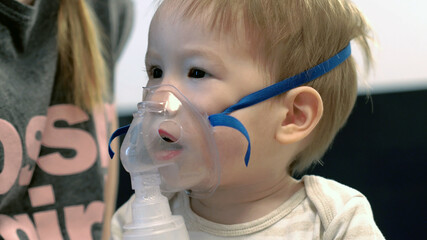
(214,72)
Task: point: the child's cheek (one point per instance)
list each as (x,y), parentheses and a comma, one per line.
(232,147)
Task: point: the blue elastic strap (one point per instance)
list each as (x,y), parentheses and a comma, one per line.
(274,90)
(221,119)
(118,132)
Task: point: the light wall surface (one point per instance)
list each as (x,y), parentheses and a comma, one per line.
(400,49)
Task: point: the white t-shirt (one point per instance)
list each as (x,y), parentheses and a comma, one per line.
(323,209)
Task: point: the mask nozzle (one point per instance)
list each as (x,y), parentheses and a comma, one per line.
(151,215)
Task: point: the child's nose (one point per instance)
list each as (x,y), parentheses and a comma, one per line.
(170,79)
(162,90)
(175,82)
(168,96)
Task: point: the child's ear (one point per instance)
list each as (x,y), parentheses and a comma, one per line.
(302,110)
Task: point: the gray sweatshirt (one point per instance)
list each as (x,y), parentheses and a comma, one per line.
(53,155)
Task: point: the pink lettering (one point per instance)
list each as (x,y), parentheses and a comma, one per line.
(101,135)
(79,222)
(41,196)
(12,149)
(68,138)
(33,145)
(47,225)
(9,227)
(25,175)
(36,125)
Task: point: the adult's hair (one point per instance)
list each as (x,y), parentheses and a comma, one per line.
(81,70)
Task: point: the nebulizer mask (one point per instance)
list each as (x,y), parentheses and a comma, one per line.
(169,135)
(170,147)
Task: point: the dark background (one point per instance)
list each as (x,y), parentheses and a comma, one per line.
(381,152)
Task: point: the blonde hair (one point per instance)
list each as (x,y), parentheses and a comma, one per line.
(288,37)
(81,70)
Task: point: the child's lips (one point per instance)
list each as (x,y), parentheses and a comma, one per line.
(166,136)
(167,154)
(173,149)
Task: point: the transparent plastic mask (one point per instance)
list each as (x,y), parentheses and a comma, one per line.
(170,135)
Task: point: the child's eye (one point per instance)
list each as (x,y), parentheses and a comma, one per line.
(156,72)
(196,73)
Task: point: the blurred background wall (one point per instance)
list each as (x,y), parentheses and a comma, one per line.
(382,151)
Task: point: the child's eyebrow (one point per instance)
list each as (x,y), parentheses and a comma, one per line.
(190,53)
(150,55)
(203,52)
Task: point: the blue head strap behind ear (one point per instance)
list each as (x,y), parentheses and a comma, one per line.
(223,119)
